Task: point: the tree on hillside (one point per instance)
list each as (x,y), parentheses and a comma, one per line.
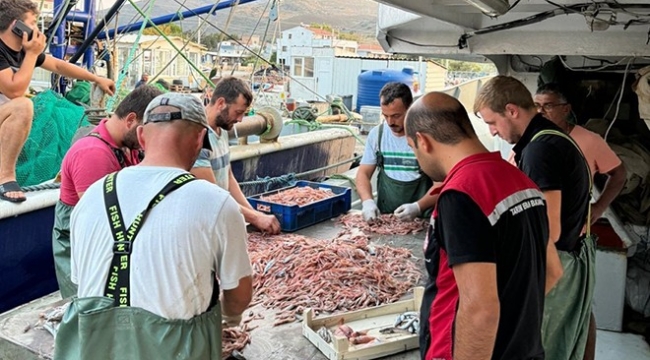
(169,29)
(348,36)
(325,27)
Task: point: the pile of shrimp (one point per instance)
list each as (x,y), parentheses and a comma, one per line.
(299,196)
(293,272)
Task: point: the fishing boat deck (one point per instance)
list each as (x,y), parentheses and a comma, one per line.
(19,339)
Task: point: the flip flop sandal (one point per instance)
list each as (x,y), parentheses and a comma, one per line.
(8,187)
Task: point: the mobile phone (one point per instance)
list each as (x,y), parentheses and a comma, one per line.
(20,27)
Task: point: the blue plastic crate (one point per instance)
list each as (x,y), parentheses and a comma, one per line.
(296,217)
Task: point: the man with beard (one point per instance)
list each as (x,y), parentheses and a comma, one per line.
(486,245)
(555,163)
(230,100)
(402,188)
(111,146)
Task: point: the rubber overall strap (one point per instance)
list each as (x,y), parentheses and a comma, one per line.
(379,155)
(559,133)
(119,154)
(118,281)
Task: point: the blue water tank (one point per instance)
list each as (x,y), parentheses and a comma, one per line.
(371,82)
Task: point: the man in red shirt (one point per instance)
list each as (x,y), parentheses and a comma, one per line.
(109,147)
(485,250)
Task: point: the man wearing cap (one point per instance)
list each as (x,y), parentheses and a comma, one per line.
(110,146)
(143,80)
(178,233)
(230,100)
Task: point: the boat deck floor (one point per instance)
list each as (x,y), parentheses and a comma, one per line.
(20,340)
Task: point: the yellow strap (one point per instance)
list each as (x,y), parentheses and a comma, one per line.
(559,133)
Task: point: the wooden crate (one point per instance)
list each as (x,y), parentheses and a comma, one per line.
(371,319)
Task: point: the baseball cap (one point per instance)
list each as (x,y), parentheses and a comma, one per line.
(190,108)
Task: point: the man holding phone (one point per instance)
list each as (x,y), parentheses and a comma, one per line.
(21,51)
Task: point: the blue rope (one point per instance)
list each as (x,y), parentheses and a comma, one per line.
(269,182)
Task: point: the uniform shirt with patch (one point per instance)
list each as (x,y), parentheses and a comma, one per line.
(488,212)
(218,159)
(554,163)
(13,59)
(399,160)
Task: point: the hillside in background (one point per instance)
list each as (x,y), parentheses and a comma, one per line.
(355,16)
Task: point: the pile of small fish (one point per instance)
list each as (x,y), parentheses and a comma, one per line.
(386,224)
(409,321)
(293,272)
(299,196)
(233,340)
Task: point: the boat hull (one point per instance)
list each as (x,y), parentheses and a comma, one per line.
(26,261)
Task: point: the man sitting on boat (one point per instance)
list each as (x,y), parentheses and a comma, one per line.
(21,51)
(111,146)
(183,234)
(230,100)
(402,187)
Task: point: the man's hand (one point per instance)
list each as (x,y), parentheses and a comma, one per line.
(408,212)
(370,210)
(231,320)
(107,85)
(36,45)
(266,223)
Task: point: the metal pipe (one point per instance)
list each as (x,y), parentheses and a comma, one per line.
(63,12)
(250,125)
(78,16)
(57,46)
(267,123)
(89,29)
(165,19)
(102,24)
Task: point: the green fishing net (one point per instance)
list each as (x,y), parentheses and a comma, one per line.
(56,120)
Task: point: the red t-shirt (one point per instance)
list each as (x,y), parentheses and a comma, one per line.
(88,160)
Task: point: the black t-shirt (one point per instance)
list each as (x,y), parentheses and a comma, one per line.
(488,212)
(516,245)
(554,163)
(13,59)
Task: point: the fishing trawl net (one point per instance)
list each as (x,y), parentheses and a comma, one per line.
(56,120)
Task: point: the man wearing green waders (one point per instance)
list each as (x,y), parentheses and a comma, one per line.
(402,188)
(159,257)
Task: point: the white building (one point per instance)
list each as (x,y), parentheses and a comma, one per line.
(156,56)
(230,53)
(300,42)
(339,75)
(309,54)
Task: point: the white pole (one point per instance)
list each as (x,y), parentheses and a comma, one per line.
(198,31)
